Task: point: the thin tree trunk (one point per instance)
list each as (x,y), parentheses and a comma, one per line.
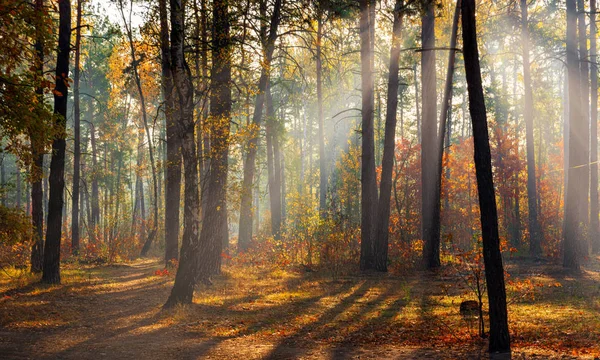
(273,166)
(494,271)
(594,227)
(76,138)
(321,134)
(245,231)
(387,163)
(51,268)
(535,234)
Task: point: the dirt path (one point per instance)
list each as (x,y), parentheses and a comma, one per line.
(114,312)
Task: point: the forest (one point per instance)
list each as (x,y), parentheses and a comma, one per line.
(299,179)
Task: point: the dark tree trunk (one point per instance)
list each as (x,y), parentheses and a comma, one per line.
(368,178)
(183,289)
(577,136)
(389,145)
(173,165)
(535,234)
(494,271)
(444,115)
(37,151)
(245,231)
(51,268)
(76,138)
(431,247)
(594,227)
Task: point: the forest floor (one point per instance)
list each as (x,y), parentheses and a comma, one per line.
(251,312)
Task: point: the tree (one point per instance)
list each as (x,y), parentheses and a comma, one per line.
(594,226)
(37,151)
(368,180)
(245,233)
(577,136)
(389,143)
(494,271)
(76,136)
(535,233)
(173,165)
(51,268)
(431,247)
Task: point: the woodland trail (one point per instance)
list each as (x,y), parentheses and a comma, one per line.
(114,312)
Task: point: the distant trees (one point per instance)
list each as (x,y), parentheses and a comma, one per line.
(494,271)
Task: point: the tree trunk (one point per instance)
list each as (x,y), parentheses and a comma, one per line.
(577,136)
(585,114)
(173,165)
(245,231)
(431,246)
(273,166)
(51,268)
(321,134)
(444,115)
(37,151)
(389,146)
(368,178)
(494,271)
(594,227)
(535,234)
(76,138)
(192,246)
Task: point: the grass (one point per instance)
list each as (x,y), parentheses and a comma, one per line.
(268,312)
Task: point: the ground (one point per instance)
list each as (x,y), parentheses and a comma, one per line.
(251,312)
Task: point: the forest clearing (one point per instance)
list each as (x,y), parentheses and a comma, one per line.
(114,311)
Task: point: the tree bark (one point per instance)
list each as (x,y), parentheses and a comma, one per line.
(389,144)
(76,138)
(37,151)
(368,178)
(431,246)
(245,231)
(577,136)
(494,271)
(535,234)
(594,226)
(321,134)
(173,165)
(51,268)
(192,246)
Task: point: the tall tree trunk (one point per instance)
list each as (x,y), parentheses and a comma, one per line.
(19,184)
(51,268)
(577,136)
(173,166)
(594,227)
(389,144)
(585,113)
(494,271)
(273,166)
(245,231)
(185,279)
(431,247)
(535,234)
(444,115)
(95,201)
(321,134)
(76,138)
(37,172)
(368,178)
(138,83)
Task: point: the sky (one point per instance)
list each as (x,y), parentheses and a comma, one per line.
(112,10)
